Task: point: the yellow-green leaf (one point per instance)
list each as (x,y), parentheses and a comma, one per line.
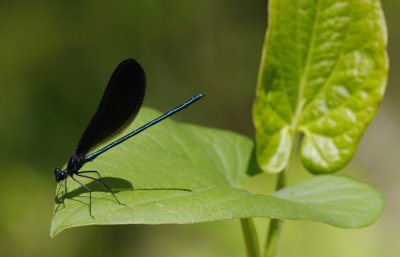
(323,74)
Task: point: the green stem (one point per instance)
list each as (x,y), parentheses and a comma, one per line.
(272,244)
(250,237)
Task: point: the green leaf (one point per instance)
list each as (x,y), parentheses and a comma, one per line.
(323,74)
(180,173)
(335,200)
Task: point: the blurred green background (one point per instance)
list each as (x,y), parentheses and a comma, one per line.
(55,60)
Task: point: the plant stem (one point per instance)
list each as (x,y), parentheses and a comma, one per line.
(272,244)
(250,237)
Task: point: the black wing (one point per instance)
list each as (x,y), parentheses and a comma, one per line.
(120,104)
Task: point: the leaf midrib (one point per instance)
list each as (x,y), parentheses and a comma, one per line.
(300,102)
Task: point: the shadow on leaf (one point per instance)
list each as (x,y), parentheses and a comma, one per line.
(252,168)
(116,185)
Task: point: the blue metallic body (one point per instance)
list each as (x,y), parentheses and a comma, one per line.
(76,162)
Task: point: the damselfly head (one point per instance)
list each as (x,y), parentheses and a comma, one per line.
(60,175)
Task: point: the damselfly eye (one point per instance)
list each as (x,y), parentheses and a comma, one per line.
(58,174)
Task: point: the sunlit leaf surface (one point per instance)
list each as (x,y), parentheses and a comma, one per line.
(323,74)
(179,173)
